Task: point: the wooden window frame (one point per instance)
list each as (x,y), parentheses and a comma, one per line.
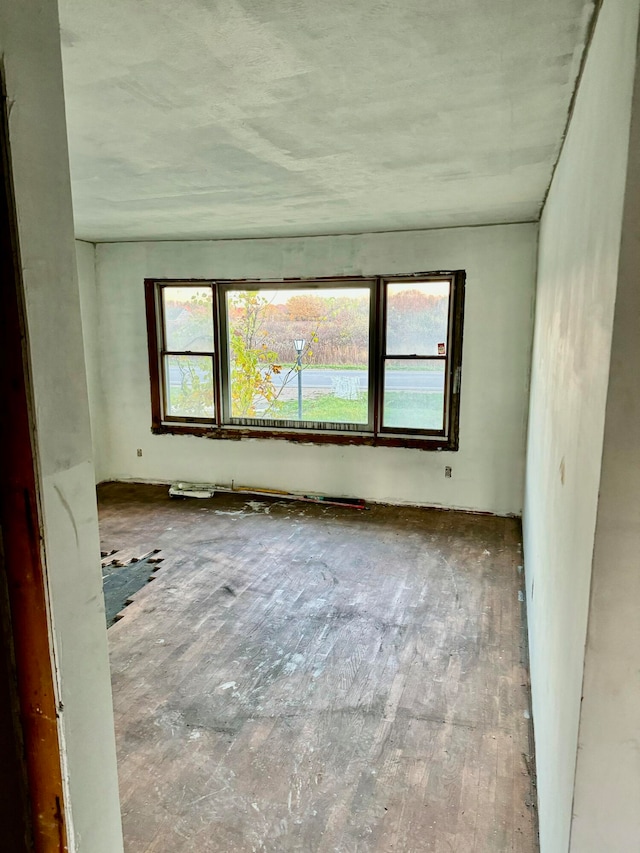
(163,352)
(374,433)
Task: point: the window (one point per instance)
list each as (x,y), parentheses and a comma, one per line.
(358,360)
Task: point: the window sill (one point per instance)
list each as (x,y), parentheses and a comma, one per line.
(308,437)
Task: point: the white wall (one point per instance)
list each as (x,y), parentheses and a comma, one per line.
(86,262)
(487,470)
(607,794)
(29,43)
(577,277)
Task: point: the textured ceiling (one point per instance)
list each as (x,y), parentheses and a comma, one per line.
(245,118)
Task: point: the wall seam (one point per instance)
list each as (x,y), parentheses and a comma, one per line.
(426,228)
(574,97)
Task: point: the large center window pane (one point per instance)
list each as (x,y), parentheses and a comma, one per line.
(298,354)
(417,317)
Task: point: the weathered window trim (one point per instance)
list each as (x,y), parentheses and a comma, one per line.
(374,433)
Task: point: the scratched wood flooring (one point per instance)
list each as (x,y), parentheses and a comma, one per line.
(317,679)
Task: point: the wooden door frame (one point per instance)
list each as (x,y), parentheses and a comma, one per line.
(34,818)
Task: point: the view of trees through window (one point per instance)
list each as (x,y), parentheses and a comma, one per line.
(299,354)
(188,330)
(416,332)
(303,354)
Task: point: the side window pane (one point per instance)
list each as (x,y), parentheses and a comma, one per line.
(188,318)
(417,317)
(414,394)
(189,386)
(299,354)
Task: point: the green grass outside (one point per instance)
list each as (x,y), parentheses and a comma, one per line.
(413,410)
(404,409)
(325,407)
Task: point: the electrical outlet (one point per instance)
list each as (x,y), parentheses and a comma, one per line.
(447,471)
(139,451)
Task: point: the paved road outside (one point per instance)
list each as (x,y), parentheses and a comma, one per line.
(396,380)
(318,379)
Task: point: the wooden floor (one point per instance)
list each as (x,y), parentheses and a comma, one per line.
(317,679)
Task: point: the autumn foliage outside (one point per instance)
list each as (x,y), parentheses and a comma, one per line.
(334,325)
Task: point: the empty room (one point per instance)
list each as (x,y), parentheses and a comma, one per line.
(322,463)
